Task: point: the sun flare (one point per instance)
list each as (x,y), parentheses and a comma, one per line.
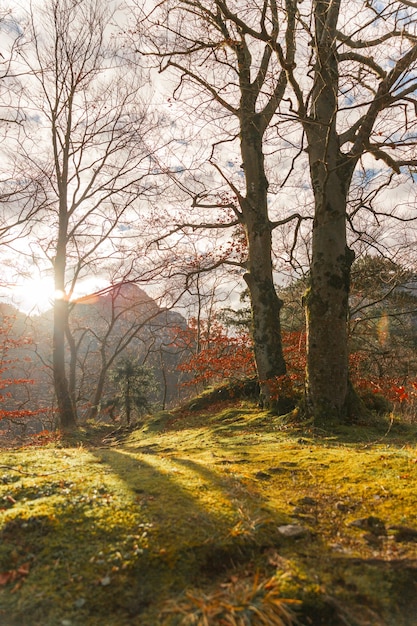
(36,294)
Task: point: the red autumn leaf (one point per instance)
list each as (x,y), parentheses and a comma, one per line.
(24,569)
(6,577)
(9,383)
(14,574)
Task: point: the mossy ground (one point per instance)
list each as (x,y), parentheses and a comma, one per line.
(112,531)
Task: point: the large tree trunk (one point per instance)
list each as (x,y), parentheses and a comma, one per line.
(327,381)
(266,333)
(67,417)
(66,409)
(265,304)
(326,301)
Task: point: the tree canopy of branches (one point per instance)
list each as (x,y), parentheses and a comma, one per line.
(353,89)
(87,141)
(20,191)
(234,81)
(326,87)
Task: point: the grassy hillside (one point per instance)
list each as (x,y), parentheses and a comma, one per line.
(223,515)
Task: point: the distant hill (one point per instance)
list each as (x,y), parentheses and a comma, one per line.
(119,321)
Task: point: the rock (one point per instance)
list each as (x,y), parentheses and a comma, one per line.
(342,507)
(307,501)
(293,531)
(262,475)
(372,524)
(404,534)
(338,547)
(372,540)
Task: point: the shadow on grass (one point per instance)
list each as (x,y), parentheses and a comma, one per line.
(194,545)
(224,413)
(192,538)
(191,504)
(378,430)
(102,558)
(230,420)
(113,557)
(79,564)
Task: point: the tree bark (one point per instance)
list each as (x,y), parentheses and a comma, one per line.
(265,303)
(326,301)
(66,410)
(67,417)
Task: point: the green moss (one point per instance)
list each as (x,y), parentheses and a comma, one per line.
(107,534)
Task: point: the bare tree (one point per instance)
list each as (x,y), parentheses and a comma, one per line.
(224,62)
(20,192)
(353,90)
(121,321)
(86,137)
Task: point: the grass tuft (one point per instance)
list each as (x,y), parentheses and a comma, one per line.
(235,603)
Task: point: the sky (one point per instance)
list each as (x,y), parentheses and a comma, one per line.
(187,138)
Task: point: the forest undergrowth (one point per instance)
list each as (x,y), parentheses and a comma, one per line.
(222,515)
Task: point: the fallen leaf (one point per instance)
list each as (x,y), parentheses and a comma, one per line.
(24,569)
(6,577)
(14,574)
